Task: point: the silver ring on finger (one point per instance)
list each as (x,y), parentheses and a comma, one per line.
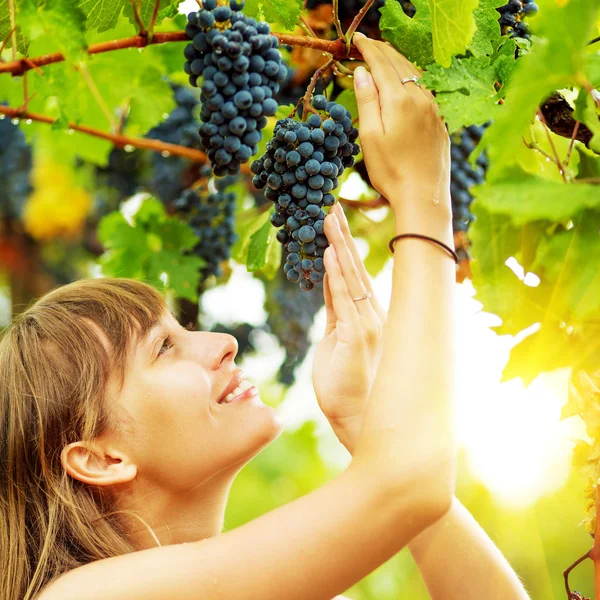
(414,79)
(365,297)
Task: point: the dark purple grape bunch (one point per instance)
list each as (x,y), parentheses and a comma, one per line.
(512,16)
(209,208)
(240,65)
(300,170)
(464,176)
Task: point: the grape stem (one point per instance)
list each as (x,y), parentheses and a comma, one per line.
(138,19)
(311,88)
(575,130)
(336,19)
(153,20)
(306,26)
(358,20)
(561,167)
(568,570)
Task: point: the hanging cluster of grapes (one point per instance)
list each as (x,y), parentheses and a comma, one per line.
(464,176)
(167,178)
(291,317)
(512,17)
(15,169)
(241,68)
(209,209)
(300,170)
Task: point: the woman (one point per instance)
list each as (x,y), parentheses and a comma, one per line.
(121,432)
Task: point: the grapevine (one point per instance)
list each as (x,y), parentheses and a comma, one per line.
(300,171)
(210,209)
(15,169)
(241,69)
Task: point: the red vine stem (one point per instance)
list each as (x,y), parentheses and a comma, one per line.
(311,88)
(153,19)
(561,167)
(138,19)
(358,19)
(575,130)
(118,140)
(337,48)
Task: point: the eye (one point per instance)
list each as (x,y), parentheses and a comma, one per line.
(166,345)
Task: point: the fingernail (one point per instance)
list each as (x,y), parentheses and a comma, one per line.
(361,78)
(359,36)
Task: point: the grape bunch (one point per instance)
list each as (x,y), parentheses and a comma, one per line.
(168,174)
(512,17)
(291,315)
(300,171)
(241,67)
(210,209)
(464,176)
(15,170)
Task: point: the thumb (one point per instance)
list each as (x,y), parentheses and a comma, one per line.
(369,110)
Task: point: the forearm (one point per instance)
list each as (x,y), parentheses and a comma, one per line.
(410,415)
(458,561)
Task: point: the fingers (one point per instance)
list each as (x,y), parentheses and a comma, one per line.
(382,69)
(331,316)
(403,65)
(343,306)
(365,277)
(369,108)
(354,282)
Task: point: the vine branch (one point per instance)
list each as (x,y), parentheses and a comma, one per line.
(118,140)
(337,48)
(336,18)
(153,19)
(358,19)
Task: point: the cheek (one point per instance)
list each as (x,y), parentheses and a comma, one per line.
(174,395)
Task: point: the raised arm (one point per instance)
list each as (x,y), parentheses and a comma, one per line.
(402,476)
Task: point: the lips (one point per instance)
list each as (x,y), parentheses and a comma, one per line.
(235,381)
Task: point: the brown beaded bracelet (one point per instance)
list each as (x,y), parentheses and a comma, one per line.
(423,237)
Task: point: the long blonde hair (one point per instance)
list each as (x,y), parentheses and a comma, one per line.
(54,371)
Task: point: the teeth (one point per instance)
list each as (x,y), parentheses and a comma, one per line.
(240,389)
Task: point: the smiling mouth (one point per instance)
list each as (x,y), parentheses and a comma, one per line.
(241,390)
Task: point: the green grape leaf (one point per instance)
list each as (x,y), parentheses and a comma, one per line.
(259,243)
(488,30)
(412,37)
(465,91)
(62,21)
(453,26)
(282,12)
(525,197)
(589,164)
(153,249)
(586,112)
(5,28)
(103,15)
(564,302)
(554,63)
(347,99)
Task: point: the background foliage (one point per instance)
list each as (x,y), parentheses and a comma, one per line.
(522,109)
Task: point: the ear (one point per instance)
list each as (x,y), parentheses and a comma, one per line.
(97,465)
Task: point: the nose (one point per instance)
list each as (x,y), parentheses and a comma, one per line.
(226,348)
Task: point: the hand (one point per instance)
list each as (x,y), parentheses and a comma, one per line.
(347,358)
(405,143)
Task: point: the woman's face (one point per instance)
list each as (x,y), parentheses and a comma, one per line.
(179,435)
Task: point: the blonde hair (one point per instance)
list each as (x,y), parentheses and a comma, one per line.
(54,373)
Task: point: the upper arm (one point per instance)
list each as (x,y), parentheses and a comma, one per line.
(314,547)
